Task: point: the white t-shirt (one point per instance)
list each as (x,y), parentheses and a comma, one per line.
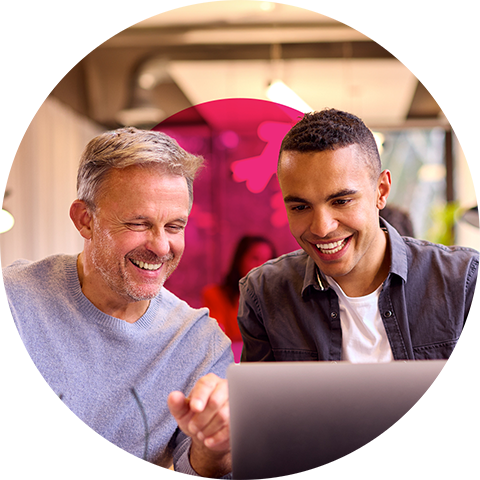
(364,339)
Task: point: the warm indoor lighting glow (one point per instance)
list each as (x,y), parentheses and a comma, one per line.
(278,92)
(379,139)
(147,80)
(6,221)
(432,172)
(140,116)
(267,6)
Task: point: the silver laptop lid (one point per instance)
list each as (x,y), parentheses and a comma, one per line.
(402,420)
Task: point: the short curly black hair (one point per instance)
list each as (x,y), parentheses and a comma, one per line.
(331,129)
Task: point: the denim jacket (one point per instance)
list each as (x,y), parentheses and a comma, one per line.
(288,312)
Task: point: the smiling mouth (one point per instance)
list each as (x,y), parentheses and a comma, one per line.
(146,266)
(333,247)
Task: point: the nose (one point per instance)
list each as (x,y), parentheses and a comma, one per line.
(323,223)
(158,242)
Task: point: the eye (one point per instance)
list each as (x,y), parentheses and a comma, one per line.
(298,208)
(342,201)
(175,228)
(136,226)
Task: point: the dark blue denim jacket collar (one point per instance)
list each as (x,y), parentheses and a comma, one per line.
(398,251)
(398,263)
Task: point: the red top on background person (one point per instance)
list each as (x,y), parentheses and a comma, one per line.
(222,300)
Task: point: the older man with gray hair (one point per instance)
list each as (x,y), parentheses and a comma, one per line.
(120,350)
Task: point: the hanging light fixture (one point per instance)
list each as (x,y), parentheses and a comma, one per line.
(277,90)
(472,216)
(6,218)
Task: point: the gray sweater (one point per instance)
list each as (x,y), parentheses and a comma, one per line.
(93,361)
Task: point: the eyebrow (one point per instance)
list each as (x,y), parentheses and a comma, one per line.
(341,193)
(293,199)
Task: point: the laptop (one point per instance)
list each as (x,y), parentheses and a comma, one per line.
(289,417)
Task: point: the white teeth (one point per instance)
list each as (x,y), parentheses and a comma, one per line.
(330,248)
(147,266)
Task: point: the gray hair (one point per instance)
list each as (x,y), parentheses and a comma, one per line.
(130,146)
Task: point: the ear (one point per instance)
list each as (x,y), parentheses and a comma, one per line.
(384,185)
(82,218)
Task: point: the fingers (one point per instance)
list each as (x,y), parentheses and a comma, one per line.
(218,442)
(212,426)
(211,422)
(178,405)
(205,415)
(209,388)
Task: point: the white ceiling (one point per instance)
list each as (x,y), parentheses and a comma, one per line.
(374,85)
(226,15)
(379,91)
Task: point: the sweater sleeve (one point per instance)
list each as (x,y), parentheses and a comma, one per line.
(181,457)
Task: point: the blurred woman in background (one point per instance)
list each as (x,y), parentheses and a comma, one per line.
(222,300)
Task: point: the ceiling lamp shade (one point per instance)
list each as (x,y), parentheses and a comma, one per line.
(278,92)
(6,218)
(472,216)
(6,221)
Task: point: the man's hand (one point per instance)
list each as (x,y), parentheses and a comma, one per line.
(205,416)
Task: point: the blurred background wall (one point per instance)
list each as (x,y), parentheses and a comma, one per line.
(217,54)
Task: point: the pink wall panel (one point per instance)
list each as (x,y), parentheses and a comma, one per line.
(237,193)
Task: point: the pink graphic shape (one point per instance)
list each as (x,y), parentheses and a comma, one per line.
(224,131)
(257,171)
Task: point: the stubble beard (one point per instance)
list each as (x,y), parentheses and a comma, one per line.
(122,282)
(139,292)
